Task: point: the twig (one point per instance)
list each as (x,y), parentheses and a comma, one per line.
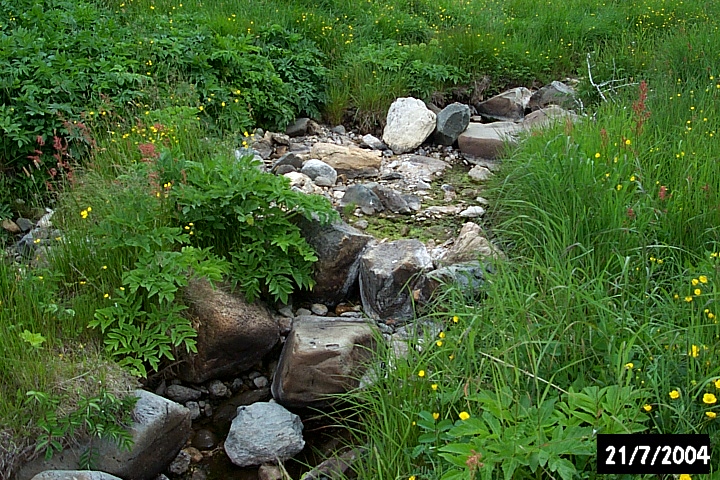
(591,79)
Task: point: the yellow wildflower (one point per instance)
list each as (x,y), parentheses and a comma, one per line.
(436,416)
(464,415)
(421,373)
(647,407)
(711,414)
(709,398)
(674,394)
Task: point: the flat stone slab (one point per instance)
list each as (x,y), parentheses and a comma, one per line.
(488,140)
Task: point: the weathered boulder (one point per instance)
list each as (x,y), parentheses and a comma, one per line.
(232,336)
(180,394)
(316,168)
(353,162)
(322,356)
(468,246)
(159,430)
(74,475)
(557,93)
(264,432)
(409,124)
(507,106)
(488,140)
(389,272)
(451,122)
(338,247)
(547,116)
(360,196)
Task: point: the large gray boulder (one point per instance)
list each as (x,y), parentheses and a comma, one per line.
(389,272)
(233,335)
(488,140)
(409,124)
(507,106)
(451,122)
(338,247)
(322,356)
(263,432)
(159,430)
(352,162)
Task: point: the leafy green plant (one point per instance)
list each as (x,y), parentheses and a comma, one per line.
(104,416)
(246,215)
(142,323)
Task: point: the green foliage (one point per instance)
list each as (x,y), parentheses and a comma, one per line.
(99,417)
(142,322)
(246,215)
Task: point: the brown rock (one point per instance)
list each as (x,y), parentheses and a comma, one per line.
(322,356)
(10,226)
(488,140)
(233,335)
(351,161)
(508,106)
(547,116)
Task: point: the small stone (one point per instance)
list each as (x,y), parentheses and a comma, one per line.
(24,224)
(319,309)
(194,408)
(236,385)
(253,375)
(195,455)
(303,311)
(472,212)
(361,224)
(208,410)
(323,181)
(180,394)
(10,226)
(204,439)
(373,142)
(283,169)
(351,314)
(162,477)
(339,129)
(217,389)
(181,464)
(479,173)
(269,472)
(423,185)
(261,382)
(198,474)
(286,311)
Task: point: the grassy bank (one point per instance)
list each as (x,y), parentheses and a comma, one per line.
(605,308)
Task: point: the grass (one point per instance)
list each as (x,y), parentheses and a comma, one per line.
(602,318)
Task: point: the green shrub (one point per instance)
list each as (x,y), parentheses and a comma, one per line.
(246,216)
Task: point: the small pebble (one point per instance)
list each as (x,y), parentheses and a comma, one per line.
(303,311)
(217,389)
(261,382)
(319,309)
(194,410)
(181,464)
